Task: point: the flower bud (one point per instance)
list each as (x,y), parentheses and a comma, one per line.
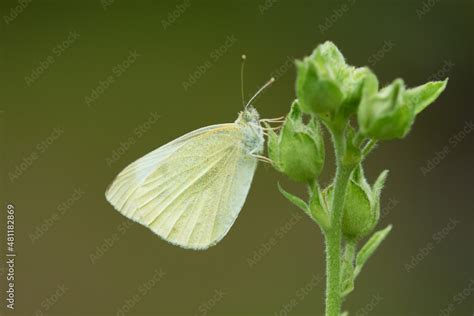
(386,114)
(359,216)
(362,205)
(326,84)
(317,94)
(390,112)
(298,150)
(317,85)
(358,80)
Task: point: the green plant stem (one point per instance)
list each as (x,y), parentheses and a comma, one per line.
(333,245)
(334,234)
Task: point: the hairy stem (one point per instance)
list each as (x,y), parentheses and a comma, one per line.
(334,235)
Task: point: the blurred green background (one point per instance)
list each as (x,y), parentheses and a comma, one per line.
(82,83)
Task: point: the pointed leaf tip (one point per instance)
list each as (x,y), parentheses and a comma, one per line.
(294,199)
(422,96)
(369,248)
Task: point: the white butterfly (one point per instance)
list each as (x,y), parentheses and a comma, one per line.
(191,190)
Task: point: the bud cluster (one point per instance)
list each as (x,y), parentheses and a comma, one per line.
(327,86)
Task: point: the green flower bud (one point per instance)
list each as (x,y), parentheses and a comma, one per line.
(317,84)
(390,112)
(298,150)
(326,84)
(359,216)
(362,205)
(316,93)
(358,80)
(386,114)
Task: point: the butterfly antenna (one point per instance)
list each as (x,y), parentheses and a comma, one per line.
(242,64)
(269,82)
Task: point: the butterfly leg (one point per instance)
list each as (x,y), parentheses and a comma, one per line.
(280,119)
(268,129)
(272,128)
(263,159)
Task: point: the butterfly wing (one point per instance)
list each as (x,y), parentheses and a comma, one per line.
(190,190)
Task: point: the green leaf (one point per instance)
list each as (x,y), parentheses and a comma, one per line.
(422,96)
(378,185)
(359,177)
(348,276)
(348,286)
(376,191)
(316,133)
(295,200)
(318,209)
(369,248)
(346,313)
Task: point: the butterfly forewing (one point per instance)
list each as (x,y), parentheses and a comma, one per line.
(191,190)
